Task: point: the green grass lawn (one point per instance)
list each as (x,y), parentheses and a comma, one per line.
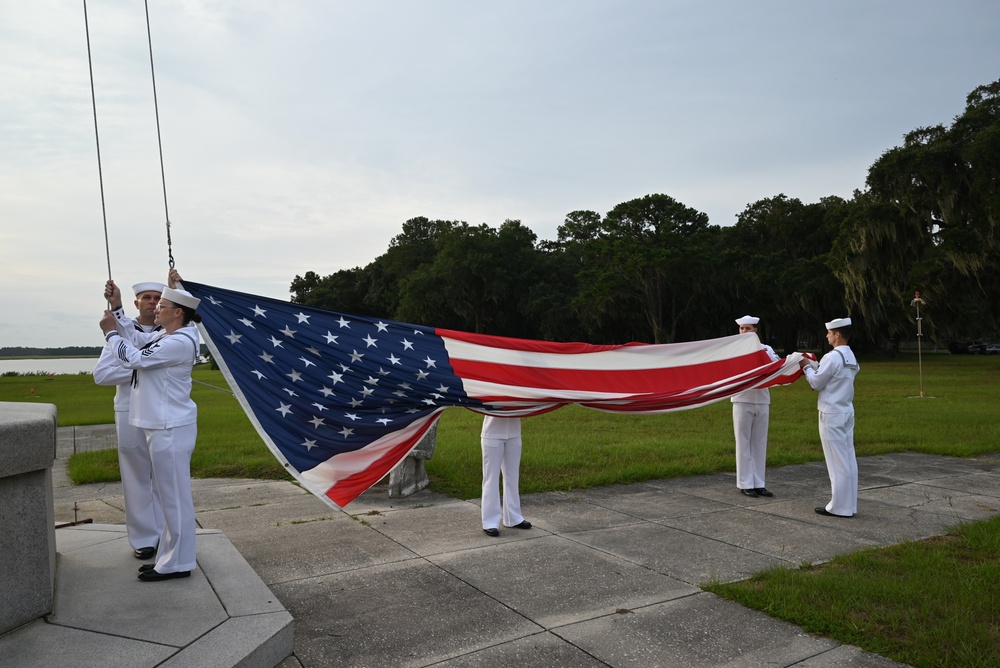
(923,603)
(580,448)
(927,603)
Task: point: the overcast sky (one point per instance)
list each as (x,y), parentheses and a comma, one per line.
(299,135)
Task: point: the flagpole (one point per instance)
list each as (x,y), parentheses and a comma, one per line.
(917,301)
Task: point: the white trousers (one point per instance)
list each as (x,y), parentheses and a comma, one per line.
(501,458)
(836,431)
(143,516)
(170,451)
(750,427)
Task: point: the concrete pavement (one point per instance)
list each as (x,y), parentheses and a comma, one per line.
(607,577)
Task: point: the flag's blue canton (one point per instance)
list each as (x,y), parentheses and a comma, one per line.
(321,382)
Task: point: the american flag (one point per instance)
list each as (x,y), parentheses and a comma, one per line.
(341,399)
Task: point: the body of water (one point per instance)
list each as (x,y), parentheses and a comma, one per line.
(60,365)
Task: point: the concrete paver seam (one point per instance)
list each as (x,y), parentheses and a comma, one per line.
(569,536)
(354,569)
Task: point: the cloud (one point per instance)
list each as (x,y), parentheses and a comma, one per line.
(299,136)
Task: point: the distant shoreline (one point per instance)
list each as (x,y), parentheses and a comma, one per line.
(24,352)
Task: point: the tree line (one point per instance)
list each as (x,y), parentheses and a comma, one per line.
(655,270)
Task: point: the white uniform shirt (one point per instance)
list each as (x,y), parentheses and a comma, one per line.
(161,397)
(834,380)
(109,370)
(501,428)
(757,396)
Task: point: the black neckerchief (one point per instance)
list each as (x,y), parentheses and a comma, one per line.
(135,372)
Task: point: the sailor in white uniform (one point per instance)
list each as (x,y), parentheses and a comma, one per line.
(161,406)
(501,443)
(751,411)
(833,377)
(143,516)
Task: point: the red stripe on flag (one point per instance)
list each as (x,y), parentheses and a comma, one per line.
(692,398)
(529,345)
(661,381)
(346,490)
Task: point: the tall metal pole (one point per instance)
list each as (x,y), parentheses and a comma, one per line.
(917,301)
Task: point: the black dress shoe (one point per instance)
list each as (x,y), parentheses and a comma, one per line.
(492,532)
(156,576)
(145,552)
(525,524)
(146,567)
(752,493)
(823,511)
(763,491)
